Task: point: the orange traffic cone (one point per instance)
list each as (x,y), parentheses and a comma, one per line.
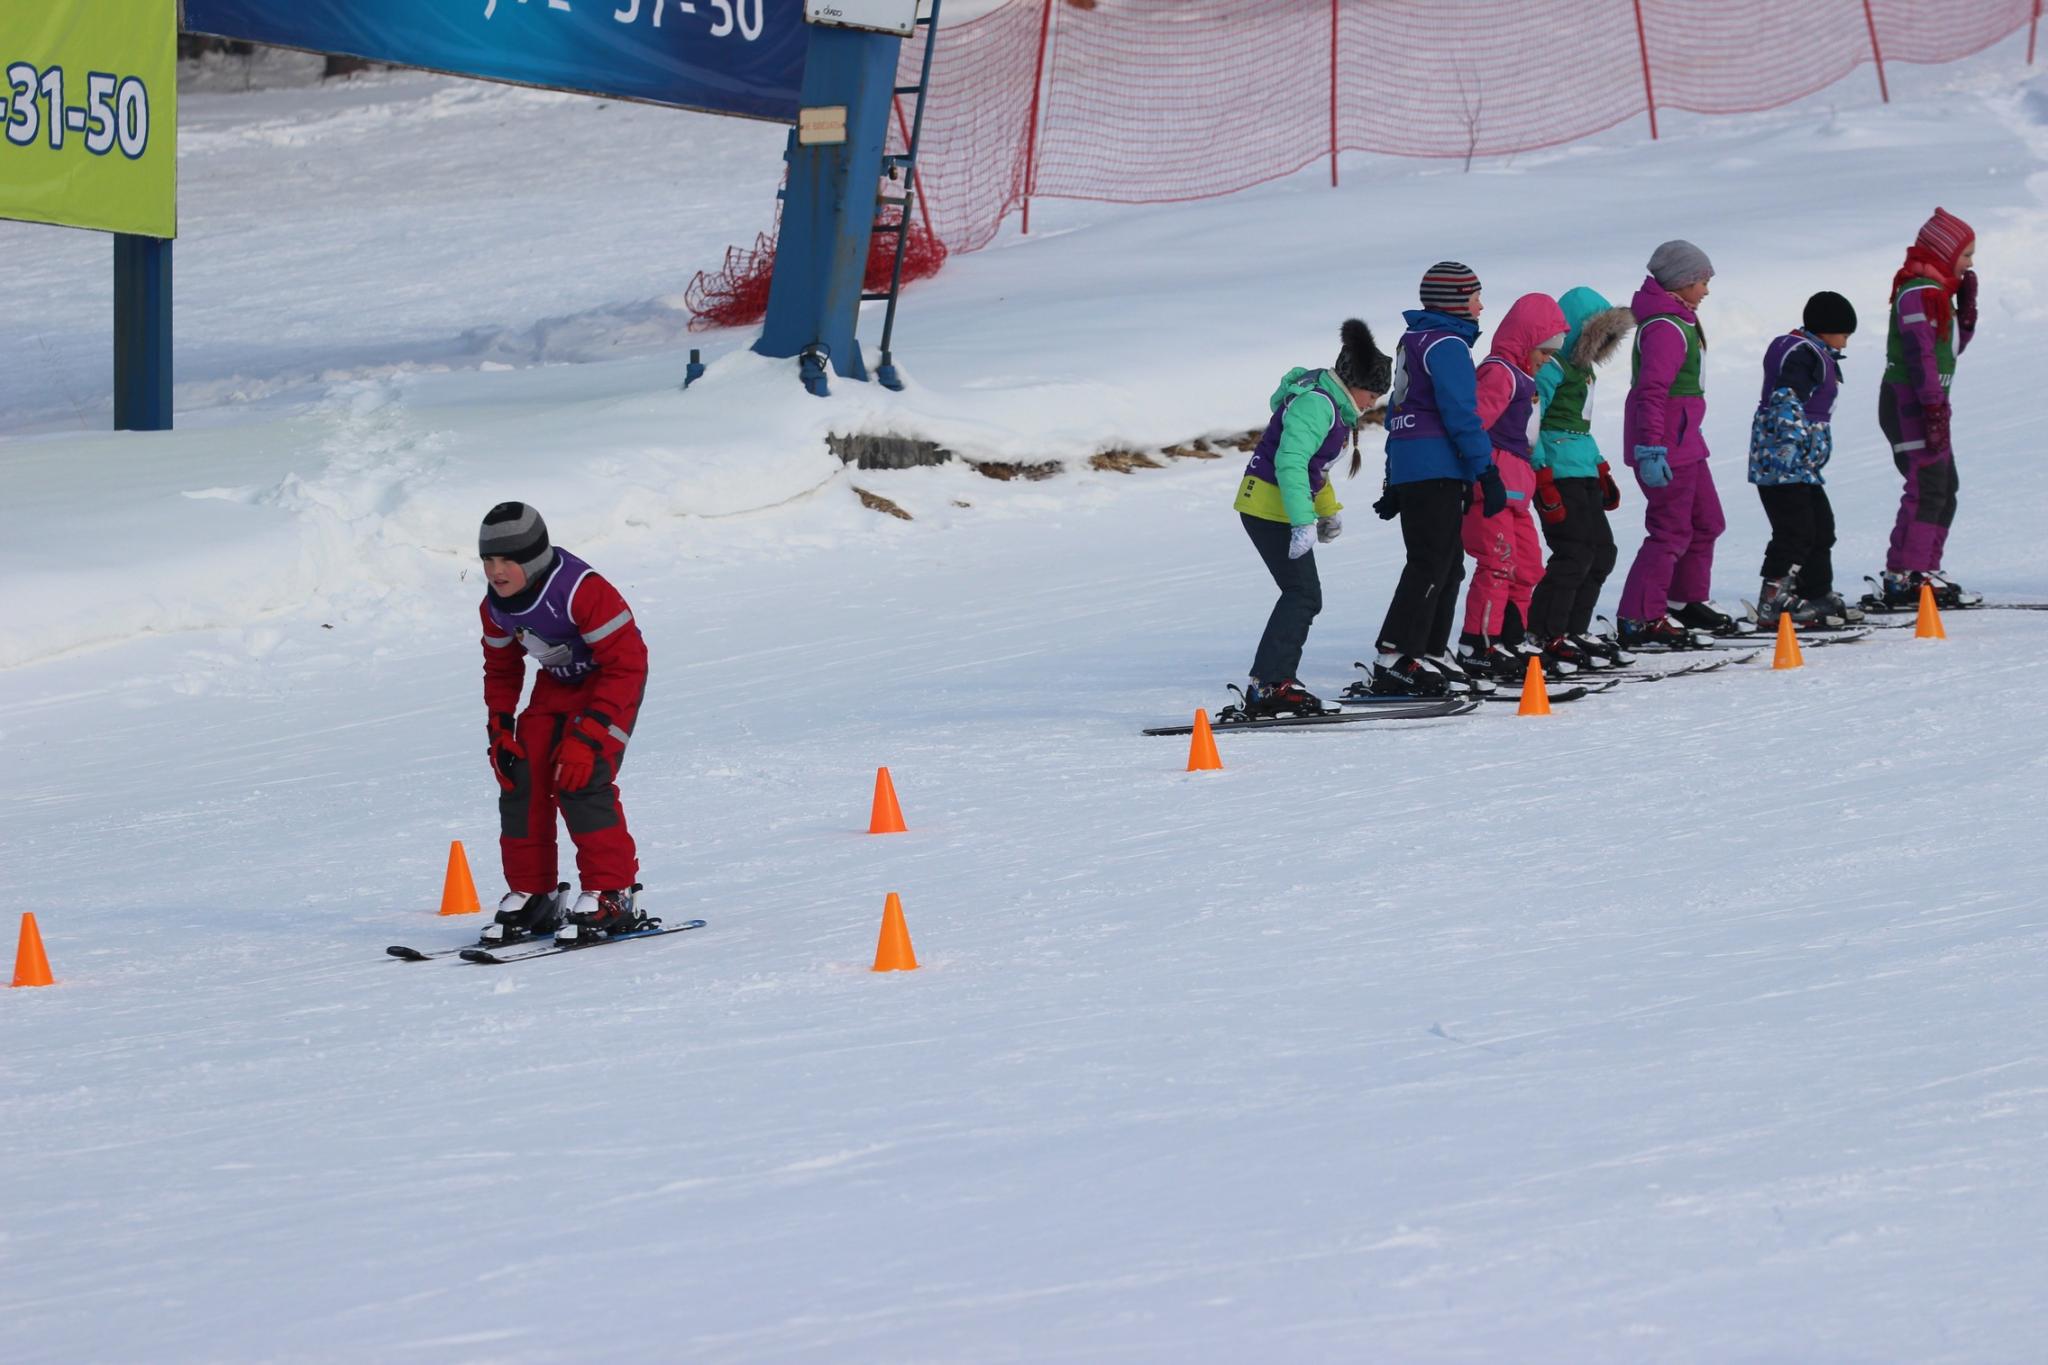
(887,816)
(1788,655)
(31,968)
(1928,626)
(1202,755)
(892,950)
(1535,696)
(458,889)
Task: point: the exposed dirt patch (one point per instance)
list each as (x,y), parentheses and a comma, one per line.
(1006,472)
(875,502)
(1193,450)
(1123,461)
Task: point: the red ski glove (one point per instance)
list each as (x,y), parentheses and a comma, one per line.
(505,747)
(1610,491)
(583,743)
(1549,502)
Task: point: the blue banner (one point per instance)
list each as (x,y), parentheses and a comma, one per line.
(723,56)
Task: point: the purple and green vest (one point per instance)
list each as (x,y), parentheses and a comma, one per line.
(1261,465)
(1895,371)
(1820,407)
(1412,410)
(1514,430)
(1686,384)
(544,629)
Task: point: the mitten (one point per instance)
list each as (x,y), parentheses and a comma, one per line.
(1549,502)
(1330,527)
(1389,505)
(1610,491)
(1653,466)
(1966,306)
(1493,494)
(1935,415)
(1301,540)
(583,743)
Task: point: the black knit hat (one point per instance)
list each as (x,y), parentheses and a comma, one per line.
(1828,311)
(514,531)
(1448,287)
(1361,364)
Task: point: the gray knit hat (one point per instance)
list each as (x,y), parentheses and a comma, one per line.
(1679,263)
(514,531)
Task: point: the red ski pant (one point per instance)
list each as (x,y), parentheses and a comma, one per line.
(605,857)
(1507,554)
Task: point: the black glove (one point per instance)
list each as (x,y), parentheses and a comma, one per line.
(1389,505)
(1493,494)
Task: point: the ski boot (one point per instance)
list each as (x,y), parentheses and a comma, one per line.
(1893,592)
(1603,646)
(601,914)
(1948,594)
(1495,662)
(521,916)
(1777,599)
(1711,619)
(1399,675)
(1564,654)
(1270,701)
(1837,605)
(1458,678)
(1663,633)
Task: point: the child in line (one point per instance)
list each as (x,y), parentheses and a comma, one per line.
(1666,595)
(1575,490)
(563,753)
(1790,441)
(1933,317)
(1436,449)
(1508,558)
(1287,505)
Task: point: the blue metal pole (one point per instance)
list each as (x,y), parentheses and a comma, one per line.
(828,209)
(142,333)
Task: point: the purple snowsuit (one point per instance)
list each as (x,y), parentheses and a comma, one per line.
(1683,518)
(1929,504)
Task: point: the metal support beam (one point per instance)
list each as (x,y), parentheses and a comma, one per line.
(142,333)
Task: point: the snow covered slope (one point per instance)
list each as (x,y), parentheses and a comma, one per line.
(1699,1022)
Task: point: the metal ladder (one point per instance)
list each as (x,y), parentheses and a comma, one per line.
(905,167)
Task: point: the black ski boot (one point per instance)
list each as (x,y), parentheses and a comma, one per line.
(1777,599)
(521,916)
(1711,619)
(1662,633)
(1458,678)
(1270,701)
(1603,646)
(601,914)
(1948,594)
(1564,656)
(1404,676)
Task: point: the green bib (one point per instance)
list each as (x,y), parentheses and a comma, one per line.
(1687,383)
(1570,400)
(1895,345)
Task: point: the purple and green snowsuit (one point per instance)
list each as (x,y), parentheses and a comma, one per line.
(1920,363)
(1667,407)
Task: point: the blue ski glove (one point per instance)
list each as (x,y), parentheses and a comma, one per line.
(1330,527)
(1302,540)
(1653,466)
(1493,494)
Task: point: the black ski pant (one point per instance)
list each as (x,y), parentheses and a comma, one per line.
(1802,536)
(1301,597)
(1582,554)
(1425,604)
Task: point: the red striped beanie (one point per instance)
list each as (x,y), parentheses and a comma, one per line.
(1944,238)
(1448,287)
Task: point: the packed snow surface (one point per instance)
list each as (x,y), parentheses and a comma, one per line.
(1701,1021)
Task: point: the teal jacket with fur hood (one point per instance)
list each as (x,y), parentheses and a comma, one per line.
(1565,444)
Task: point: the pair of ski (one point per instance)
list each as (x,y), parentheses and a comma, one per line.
(526,949)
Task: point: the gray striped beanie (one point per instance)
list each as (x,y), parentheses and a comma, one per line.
(514,531)
(1448,287)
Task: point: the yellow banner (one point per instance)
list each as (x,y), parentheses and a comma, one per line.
(89,114)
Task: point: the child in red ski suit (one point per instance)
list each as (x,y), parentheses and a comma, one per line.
(563,753)
(1508,556)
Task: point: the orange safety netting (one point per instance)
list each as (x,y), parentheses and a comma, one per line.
(1153,101)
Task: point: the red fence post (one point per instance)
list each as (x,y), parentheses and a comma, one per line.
(1031,136)
(1649,90)
(2033,31)
(1333,92)
(1877,53)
